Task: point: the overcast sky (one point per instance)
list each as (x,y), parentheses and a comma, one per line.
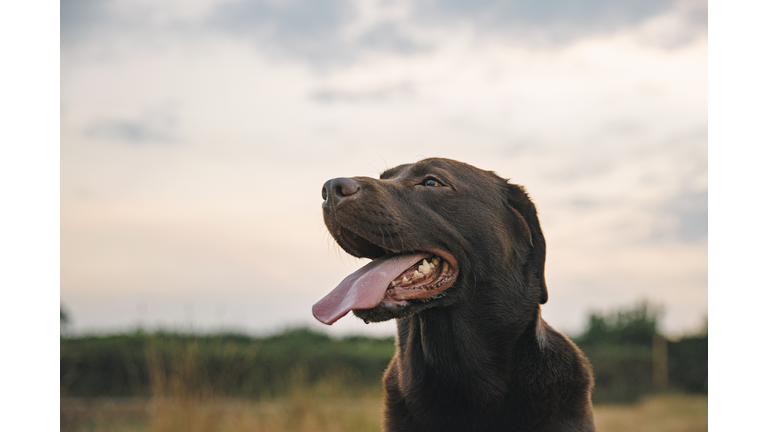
(196,136)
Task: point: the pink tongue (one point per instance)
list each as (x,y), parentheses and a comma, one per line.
(364,288)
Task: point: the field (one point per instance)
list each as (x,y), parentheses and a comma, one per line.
(319,411)
(301,380)
(657,413)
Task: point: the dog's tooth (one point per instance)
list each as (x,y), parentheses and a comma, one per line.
(392,283)
(416,274)
(425,263)
(424,269)
(405,279)
(435,260)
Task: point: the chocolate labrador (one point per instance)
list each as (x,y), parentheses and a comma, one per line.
(458,260)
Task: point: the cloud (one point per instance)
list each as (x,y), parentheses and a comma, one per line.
(155,127)
(306,28)
(576,16)
(317,30)
(333,31)
(126,131)
(690,210)
(391,37)
(80,18)
(375,95)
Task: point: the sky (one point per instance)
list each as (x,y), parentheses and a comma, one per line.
(196,137)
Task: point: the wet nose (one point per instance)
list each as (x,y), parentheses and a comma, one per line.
(339,189)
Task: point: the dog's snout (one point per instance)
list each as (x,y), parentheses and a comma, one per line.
(339,189)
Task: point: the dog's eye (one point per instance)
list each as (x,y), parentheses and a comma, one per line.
(432,182)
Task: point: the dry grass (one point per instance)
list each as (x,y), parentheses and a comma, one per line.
(183,401)
(673,413)
(318,411)
(296,413)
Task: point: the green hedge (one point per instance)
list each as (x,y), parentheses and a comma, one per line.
(618,345)
(230,364)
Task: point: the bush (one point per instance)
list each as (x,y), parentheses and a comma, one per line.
(620,347)
(228,364)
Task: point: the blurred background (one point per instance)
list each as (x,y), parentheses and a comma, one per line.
(196,136)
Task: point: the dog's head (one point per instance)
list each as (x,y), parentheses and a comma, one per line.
(440,233)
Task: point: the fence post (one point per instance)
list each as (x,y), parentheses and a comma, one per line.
(660,359)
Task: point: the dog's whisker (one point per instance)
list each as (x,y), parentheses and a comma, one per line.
(383,239)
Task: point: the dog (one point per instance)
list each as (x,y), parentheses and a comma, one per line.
(458,260)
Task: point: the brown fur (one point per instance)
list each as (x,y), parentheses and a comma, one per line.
(477,357)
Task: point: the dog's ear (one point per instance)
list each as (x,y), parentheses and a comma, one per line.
(518,199)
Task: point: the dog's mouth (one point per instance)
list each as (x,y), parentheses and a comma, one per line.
(392,280)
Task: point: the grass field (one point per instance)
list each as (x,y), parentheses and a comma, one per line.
(301,380)
(320,411)
(306,382)
(658,414)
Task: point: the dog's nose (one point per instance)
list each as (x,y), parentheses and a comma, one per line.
(339,189)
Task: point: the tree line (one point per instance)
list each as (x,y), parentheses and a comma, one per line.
(630,359)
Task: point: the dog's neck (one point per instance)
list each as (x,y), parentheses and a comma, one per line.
(475,350)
